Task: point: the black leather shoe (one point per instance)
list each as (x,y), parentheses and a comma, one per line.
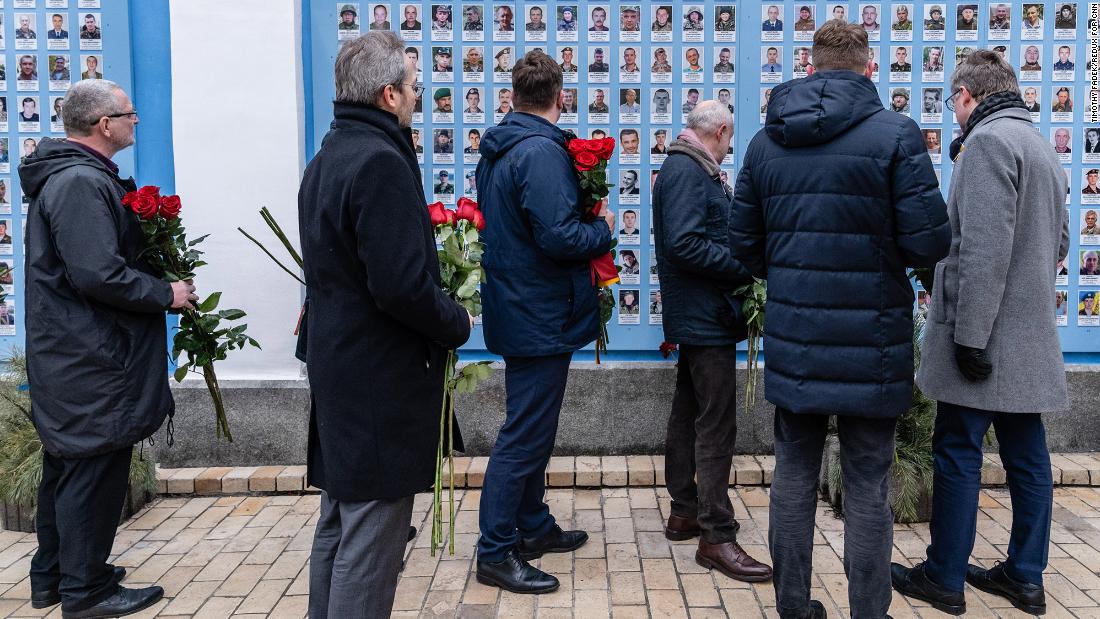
(123,602)
(516,575)
(817,610)
(554,541)
(1031,599)
(914,583)
(45,599)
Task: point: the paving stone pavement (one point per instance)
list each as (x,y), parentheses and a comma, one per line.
(247,556)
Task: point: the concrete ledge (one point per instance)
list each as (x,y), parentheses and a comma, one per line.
(614,409)
(1070,469)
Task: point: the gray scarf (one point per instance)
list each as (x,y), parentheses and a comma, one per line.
(690,146)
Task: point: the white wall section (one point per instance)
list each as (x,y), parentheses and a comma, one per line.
(238,118)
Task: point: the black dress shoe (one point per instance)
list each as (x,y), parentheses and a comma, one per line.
(45,599)
(516,575)
(914,583)
(123,602)
(554,541)
(817,610)
(1027,597)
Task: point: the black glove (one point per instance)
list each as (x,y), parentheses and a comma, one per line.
(973,363)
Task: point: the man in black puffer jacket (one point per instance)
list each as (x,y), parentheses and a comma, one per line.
(836,198)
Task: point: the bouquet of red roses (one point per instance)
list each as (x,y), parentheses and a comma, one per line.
(201,334)
(460,273)
(590,159)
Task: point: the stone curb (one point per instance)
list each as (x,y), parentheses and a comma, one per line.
(1068,469)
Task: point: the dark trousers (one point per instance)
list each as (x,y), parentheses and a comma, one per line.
(79,507)
(515,480)
(866,453)
(957,476)
(356,558)
(702,429)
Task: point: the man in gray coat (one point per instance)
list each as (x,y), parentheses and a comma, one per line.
(991,353)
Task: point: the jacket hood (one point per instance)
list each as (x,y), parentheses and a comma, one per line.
(515,128)
(51,157)
(816,109)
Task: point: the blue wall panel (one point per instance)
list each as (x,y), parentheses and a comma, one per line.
(1081,342)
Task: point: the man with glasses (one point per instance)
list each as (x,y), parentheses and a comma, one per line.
(372,282)
(96,346)
(991,354)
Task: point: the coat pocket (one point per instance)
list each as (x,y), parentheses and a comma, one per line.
(718,213)
(937,312)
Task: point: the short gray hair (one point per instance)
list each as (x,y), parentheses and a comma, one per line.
(985,73)
(88,101)
(365,66)
(708,116)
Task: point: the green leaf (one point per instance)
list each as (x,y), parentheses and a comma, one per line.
(468,287)
(181,373)
(198,240)
(232,314)
(211,302)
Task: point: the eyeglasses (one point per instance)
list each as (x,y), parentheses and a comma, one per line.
(121,114)
(950,102)
(418,88)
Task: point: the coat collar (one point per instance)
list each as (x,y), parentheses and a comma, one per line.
(1014,113)
(352,114)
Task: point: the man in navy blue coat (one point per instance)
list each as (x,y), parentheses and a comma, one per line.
(540,305)
(837,196)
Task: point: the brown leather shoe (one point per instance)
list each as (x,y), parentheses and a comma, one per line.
(679,528)
(732,560)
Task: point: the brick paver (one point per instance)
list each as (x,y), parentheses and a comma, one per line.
(238,556)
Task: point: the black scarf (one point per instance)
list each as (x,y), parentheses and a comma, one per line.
(993,103)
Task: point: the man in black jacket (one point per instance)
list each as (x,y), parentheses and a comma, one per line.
(834,243)
(96,350)
(691,210)
(379,328)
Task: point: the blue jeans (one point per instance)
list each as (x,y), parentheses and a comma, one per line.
(515,480)
(957,443)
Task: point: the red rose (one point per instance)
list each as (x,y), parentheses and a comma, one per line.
(438,214)
(170,207)
(577,145)
(452,219)
(667,348)
(608,148)
(478,220)
(594,146)
(144,205)
(586,161)
(150,190)
(466,209)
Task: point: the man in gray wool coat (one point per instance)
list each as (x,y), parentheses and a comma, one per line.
(991,353)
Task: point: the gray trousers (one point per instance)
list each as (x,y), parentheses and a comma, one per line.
(866,452)
(356,559)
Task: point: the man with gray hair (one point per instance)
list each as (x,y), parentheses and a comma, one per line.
(376,331)
(691,209)
(991,354)
(96,350)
